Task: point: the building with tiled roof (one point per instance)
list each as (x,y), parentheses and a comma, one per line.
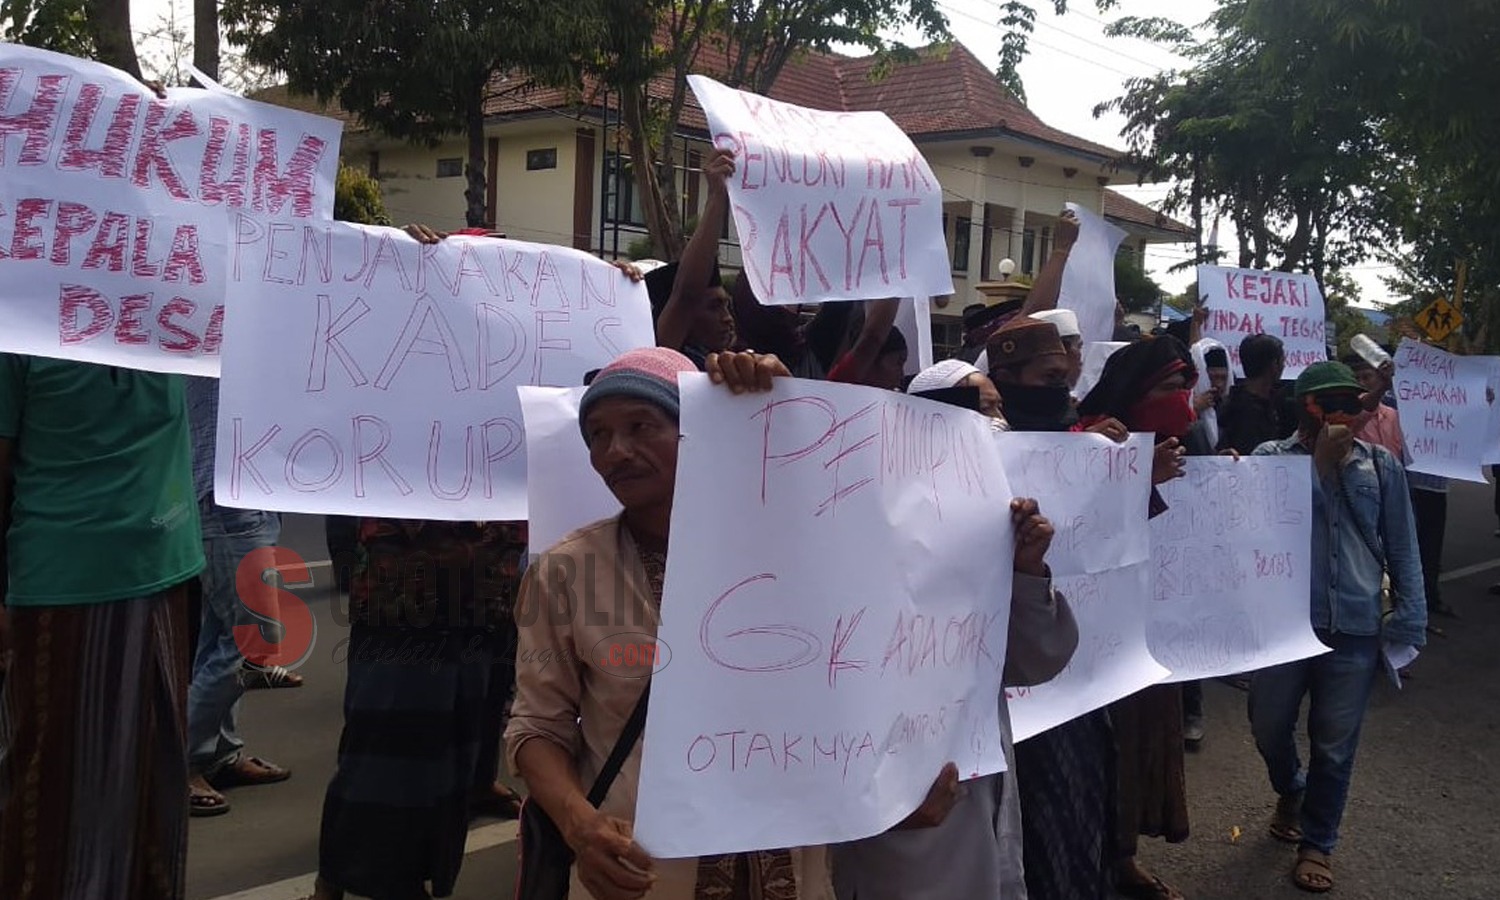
(558,177)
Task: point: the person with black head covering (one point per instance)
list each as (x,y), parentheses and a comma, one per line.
(688,301)
(1146,386)
(980,321)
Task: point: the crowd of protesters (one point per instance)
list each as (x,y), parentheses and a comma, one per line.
(118,724)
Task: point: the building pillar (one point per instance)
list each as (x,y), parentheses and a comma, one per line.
(1017,241)
(978,200)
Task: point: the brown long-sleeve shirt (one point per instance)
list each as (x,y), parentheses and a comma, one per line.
(583,597)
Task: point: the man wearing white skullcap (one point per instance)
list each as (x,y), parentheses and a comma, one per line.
(955,373)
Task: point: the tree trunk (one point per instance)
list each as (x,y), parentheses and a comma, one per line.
(664,165)
(1298,245)
(474,169)
(661,224)
(109,26)
(206,37)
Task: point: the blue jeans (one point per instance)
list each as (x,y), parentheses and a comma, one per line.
(1339,684)
(214,695)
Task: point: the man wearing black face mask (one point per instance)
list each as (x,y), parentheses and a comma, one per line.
(1029,366)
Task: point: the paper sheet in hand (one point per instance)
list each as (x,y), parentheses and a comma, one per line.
(828,205)
(1444,416)
(836,607)
(562,489)
(1286,305)
(116,203)
(1094,492)
(367,374)
(1231,559)
(1088,281)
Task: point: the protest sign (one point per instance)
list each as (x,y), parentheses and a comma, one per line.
(841,636)
(1112,660)
(915,321)
(828,205)
(1093,490)
(1286,305)
(1095,355)
(1444,416)
(1231,563)
(368,374)
(563,491)
(1088,279)
(113,207)
(1095,493)
(1492,435)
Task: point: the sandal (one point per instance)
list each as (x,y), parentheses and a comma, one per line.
(1155,889)
(1313,872)
(204,801)
(1286,822)
(248,771)
(257,678)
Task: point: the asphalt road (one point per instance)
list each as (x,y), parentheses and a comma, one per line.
(1420,825)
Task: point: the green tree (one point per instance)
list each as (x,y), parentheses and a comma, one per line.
(356,198)
(1017,22)
(1294,168)
(1340,295)
(652,40)
(418,71)
(59,25)
(1133,287)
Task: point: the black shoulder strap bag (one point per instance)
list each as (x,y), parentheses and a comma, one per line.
(545,857)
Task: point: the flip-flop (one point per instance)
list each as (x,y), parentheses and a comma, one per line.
(238,775)
(1312,873)
(203,805)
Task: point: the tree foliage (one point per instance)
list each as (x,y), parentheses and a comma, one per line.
(1133,287)
(1017,22)
(59,25)
(418,71)
(1296,171)
(356,198)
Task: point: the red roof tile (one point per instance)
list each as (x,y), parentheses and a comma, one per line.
(1118,206)
(946,91)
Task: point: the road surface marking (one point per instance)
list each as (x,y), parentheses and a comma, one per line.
(484,837)
(1466,571)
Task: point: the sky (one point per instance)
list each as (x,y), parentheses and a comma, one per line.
(1071,68)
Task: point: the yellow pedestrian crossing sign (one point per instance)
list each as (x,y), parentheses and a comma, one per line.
(1439,319)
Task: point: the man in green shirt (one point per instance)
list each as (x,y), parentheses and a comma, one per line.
(101,537)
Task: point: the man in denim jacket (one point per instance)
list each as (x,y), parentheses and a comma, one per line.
(1362,529)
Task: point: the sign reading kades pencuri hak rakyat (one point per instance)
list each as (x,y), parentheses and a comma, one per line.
(828,205)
